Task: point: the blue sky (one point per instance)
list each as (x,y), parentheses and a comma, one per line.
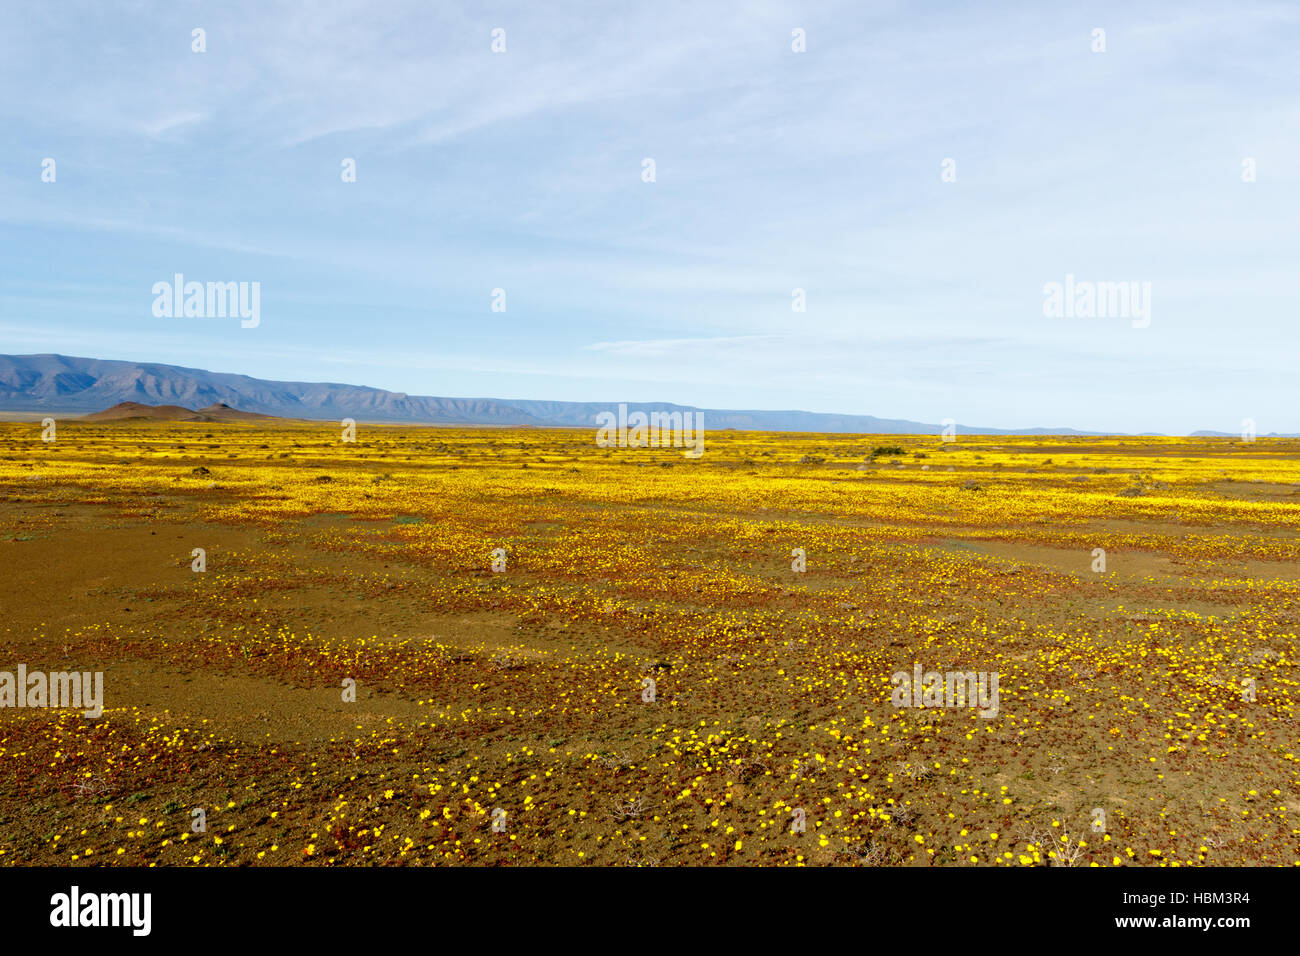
(775,170)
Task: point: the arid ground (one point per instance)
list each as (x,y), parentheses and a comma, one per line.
(608,653)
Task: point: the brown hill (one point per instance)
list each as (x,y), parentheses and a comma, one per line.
(162,413)
(220,412)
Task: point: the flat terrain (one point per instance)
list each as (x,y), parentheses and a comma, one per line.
(645,679)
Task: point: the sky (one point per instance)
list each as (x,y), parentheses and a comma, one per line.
(922,172)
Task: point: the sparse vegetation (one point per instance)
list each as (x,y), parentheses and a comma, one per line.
(524,690)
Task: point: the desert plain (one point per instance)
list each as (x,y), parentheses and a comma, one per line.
(500,646)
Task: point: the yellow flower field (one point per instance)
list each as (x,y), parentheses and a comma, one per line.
(511,646)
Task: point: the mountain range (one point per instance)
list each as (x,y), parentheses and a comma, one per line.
(68,384)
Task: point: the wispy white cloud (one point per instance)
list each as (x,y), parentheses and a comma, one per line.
(169,122)
(775,170)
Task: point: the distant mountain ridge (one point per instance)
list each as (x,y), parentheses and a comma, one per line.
(58,383)
(71,384)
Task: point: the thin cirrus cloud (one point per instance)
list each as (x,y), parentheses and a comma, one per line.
(669,348)
(170,122)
